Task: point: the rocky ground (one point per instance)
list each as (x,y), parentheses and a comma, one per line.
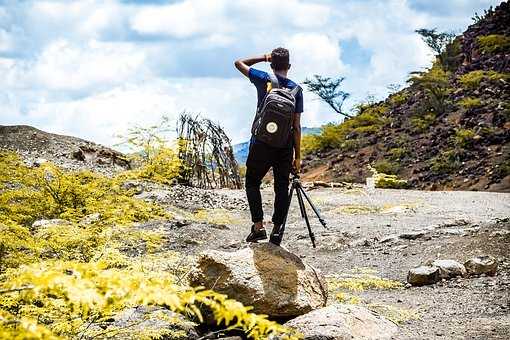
(71,153)
(386,232)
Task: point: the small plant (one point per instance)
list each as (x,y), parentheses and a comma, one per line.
(445,163)
(434,83)
(386,167)
(385,181)
(464,138)
(422,123)
(494,43)
(398,98)
(469,102)
(398,153)
(473,79)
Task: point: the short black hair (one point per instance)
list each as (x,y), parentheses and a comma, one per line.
(280,59)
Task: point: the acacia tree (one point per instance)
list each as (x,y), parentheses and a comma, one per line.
(440,43)
(328,89)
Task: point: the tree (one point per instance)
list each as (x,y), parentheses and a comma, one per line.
(328,89)
(440,43)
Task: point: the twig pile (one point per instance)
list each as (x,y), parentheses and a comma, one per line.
(207,155)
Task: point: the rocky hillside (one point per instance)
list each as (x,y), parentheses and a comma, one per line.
(448,129)
(36,146)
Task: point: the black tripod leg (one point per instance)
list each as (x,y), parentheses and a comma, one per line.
(304,214)
(282,227)
(315,210)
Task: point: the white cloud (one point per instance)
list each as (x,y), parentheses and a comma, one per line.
(89,68)
(64,66)
(183,19)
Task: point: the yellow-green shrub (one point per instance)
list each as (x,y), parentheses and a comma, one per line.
(473,79)
(423,122)
(444,163)
(494,43)
(386,167)
(370,119)
(56,280)
(28,194)
(161,165)
(385,181)
(434,83)
(464,137)
(469,102)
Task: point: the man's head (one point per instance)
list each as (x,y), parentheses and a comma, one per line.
(280,59)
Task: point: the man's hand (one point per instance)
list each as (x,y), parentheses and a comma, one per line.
(297,165)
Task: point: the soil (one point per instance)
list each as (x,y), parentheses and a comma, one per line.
(364,230)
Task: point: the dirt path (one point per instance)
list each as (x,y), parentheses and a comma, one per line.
(365,231)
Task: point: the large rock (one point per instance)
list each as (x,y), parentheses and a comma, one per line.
(269,278)
(449,268)
(342,322)
(482,265)
(423,275)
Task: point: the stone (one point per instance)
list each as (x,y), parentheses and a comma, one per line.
(268,277)
(482,265)
(342,322)
(423,275)
(449,268)
(412,235)
(45,223)
(138,322)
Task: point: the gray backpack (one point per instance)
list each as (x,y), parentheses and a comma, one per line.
(274,118)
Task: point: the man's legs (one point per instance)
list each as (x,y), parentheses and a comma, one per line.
(281,171)
(257,165)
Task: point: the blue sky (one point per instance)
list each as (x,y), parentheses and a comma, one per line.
(92,68)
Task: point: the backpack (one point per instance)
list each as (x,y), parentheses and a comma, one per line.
(274,118)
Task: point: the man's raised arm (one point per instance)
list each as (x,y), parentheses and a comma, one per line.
(243,65)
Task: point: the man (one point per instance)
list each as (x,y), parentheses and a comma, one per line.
(262,156)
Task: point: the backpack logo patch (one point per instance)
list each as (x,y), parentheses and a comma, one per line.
(271,127)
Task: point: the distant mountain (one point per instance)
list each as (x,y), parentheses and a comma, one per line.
(241,149)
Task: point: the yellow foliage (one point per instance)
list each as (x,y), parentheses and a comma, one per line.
(395,314)
(58,279)
(214,216)
(494,43)
(361,282)
(473,79)
(383,180)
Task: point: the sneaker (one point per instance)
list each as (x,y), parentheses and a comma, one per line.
(276,237)
(256,235)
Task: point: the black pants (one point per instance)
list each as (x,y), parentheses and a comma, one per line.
(261,158)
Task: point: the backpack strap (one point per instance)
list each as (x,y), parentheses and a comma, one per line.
(275,84)
(295,90)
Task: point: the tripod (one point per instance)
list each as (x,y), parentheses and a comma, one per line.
(300,192)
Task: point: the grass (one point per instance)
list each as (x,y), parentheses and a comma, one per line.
(470,103)
(464,138)
(359,282)
(397,315)
(357,209)
(473,79)
(494,43)
(386,167)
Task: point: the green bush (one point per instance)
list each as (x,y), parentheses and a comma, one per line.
(422,123)
(494,43)
(397,153)
(445,163)
(386,167)
(398,98)
(473,79)
(469,102)
(464,138)
(371,119)
(434,83)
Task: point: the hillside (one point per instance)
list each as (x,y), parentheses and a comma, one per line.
(448,129)
(72,153)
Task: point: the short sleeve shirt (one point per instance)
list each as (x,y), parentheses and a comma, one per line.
(260,79)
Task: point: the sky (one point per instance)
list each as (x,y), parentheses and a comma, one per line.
(94,68)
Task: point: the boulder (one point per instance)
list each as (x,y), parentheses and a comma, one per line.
(481,265)
(449,268)
(268,277)
(342,322)
(423,275)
